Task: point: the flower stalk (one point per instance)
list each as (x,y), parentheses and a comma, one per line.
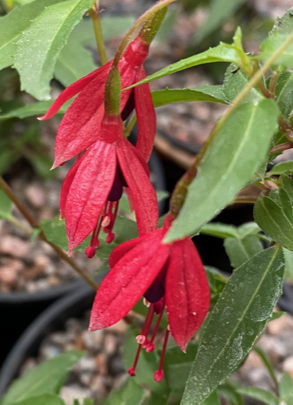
(94,13)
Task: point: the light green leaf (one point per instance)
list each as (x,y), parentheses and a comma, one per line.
(234,81)
(239,316)
(222,53)
(202,93)
(229,163)
(14,23)
(281,198)
(288,254)
(283,166)
(286,388)
(220,230)
(264,396)
(129,394)
(241,250)
(219,12)
(273,221)
(287,184)
(284,25)
(272,44)
(45,399)
(47,378)
(39,46)
(249,228)
(5,205)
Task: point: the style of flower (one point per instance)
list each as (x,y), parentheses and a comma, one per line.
(167,275)
(81,124)
(92,188)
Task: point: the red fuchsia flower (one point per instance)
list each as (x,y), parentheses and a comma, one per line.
(80,127)
(167,275)
(92,188)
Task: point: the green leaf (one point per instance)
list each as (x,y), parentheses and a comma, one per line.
(129,394)
(267,362)
(177,366)
(284,94)
(216,282)
(281,198)
(171,96)
(286,388)
(220,230)
(229,391)
(284,25)
(264,396)
(273,221)
(272,44)
(288,263)
(14,23)
(29,110)
(212,399)
(45,399)
(229,163)
(47,378)
(287,184)
(222,53)
(277,314)
(219,12)
(249,228)
(235,80)
(39,46)
(241,250)
(5,205)
(240,314)
(283,166)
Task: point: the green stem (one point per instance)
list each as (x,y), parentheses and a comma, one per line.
(18,224)
(34,224)
(130,125)
(149,13)
(241,96)
(95,16)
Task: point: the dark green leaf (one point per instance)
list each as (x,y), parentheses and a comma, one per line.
(45,399)
(287,184)
(219,230)
(267,362)
(235,80)
(177,366)
(229,163)
(29,110)
(212,399)
(39,46)
(171,96)
(286,388)
(273,221)
(129,394)
(47,378)
(240,314)
(219,12)
(241,250)
(216,281)
(282,199)
(284,94)
(264,396)
(283,166)
(5,205)
(278,314)
(229,391)
(14,23)
(222,53)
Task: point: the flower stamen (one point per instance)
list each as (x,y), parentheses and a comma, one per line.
(159,374)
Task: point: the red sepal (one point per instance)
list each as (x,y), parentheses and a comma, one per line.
(127,281)
(66,186)
(187,292)
(71,91)
(146,116)
(143,193)
(89,190)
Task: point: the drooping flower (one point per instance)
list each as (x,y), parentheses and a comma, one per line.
(167,275)
(92,188)
(81,124)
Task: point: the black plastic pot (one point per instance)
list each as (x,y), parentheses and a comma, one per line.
(53,318)
(19,309)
